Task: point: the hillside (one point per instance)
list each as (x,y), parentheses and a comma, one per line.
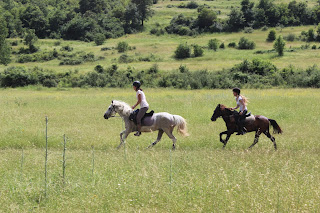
(149,50)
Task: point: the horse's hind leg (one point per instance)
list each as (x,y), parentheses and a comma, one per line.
(256,138)
(160,133)
(267,133)
(170,135)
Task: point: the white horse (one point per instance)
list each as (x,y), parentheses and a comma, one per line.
(163,121)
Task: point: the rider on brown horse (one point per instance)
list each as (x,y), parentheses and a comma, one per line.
(242,103)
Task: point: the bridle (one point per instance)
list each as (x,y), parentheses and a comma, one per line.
(112,110)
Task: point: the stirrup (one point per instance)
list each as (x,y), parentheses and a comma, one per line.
(137,133)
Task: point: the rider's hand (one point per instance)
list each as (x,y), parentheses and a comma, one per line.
(132,107)
(240,113)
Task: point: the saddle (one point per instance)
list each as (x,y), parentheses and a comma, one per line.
(236,115)
(133,116)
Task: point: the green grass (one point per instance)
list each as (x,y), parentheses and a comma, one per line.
(204,177)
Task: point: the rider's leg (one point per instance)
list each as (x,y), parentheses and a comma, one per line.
(140,115)
(241,128)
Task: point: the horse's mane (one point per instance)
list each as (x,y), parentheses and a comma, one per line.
(123,106)
(223,107)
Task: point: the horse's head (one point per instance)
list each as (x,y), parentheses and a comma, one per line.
(123,109)
(111,111)
(220,110)
(216,113)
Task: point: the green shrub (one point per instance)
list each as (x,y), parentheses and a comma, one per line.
(213,44)
(248,30)
(222,46)
(246,44)
(232,44)
(192,5)
(314,47)
(153,69)
(157,31)
(124,58)
(197,51)
(57,43)
(183,51)
(66,48)
(272,36)
(71,61)
(279,45)
(14,43)
(290,37)
(99,39)
(122,46)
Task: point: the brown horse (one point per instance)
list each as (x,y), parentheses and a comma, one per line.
(259,124)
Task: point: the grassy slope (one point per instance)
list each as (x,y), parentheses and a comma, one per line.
(204,177)
(163,46)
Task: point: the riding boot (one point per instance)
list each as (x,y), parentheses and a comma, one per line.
(138,133)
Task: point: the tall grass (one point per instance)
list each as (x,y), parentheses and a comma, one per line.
(203,177)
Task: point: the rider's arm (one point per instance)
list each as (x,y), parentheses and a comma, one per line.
(236,107)
(138,102)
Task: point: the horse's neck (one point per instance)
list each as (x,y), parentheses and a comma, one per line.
(125,113)
(227,117)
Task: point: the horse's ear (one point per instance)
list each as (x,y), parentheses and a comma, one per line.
(112,101)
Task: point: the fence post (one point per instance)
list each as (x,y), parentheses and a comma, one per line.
(21,167)
(92,160)
(64,159)
(46,159)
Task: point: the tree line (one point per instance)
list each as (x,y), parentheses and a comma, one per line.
(247,15)
(75,19)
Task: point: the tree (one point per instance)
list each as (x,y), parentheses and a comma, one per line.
(236,20)
(96,6)
(30,39)
(183,51)
(279,45)
(206,18)
(311,36)
(246,44)
(247,10)
(197,50)
(272,35)
(132,18)
(213,44)
(144,9)
(99,38)
(5,50)
(33,18)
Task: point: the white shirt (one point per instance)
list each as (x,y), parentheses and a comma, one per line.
(242,106)
(143,102)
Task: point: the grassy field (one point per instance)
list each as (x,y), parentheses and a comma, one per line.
(198,176)
(163,47)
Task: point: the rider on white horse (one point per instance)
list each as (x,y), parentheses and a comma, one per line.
(144,106)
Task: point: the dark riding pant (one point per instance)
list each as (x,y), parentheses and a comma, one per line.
(141,113)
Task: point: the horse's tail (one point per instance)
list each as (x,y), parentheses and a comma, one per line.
(276,127)
(181,124)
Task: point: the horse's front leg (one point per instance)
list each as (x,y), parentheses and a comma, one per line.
(227,139)
(123,135)
(223,133)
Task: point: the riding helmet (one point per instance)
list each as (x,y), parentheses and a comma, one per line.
(236,90)
(137,84)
